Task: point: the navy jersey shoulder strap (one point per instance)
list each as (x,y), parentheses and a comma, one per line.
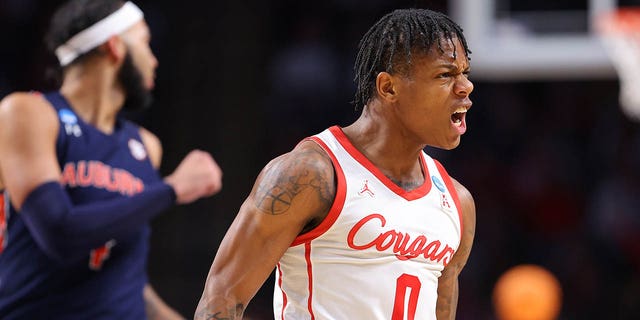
(65,115)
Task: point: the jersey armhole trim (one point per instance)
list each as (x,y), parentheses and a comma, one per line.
(4,219)
(284,294)
(452,190)
(338,201)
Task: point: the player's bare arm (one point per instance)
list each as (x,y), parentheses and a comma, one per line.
(155,308)
(153,146)
(292,195)
(448,281)
(27,144)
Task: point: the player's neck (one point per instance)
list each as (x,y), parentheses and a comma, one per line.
(94,96)
(381,144)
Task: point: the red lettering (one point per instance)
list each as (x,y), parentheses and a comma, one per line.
(100,175)
(83,176)
(380,245)
(112,183)
(137,186)
(356,228)
(448,251)
(124,182)
(69,175)
(417,246)
(400,246)
(404,247)
(431,249)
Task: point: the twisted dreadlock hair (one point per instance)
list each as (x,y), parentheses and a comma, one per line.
(389,44)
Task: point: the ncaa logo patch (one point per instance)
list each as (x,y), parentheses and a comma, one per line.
(70,121)
(137,149)
(438,183)
(67,116)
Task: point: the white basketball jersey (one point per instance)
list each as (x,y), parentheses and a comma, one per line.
(380,250)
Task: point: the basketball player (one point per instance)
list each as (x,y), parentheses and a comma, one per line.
(359,221)
(81,183)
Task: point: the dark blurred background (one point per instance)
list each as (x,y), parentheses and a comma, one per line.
(552,162)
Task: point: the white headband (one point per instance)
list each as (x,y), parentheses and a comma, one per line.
(87,39)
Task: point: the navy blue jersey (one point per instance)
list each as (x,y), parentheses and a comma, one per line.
(108,282)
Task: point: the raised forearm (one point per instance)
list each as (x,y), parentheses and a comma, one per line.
(447,299)
(218,309)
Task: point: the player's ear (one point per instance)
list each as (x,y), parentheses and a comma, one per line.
(386,86)
(115,48)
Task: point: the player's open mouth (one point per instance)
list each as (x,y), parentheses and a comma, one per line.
(458,117)
(458,120)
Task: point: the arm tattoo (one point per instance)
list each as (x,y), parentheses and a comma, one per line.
(276,198)
(231,314)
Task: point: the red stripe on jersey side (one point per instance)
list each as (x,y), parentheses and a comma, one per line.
(454,193)
(3,221)
(414,194)
(338,201)
(284,295)
(307,257)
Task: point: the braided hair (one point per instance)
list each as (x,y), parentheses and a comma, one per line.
(389,44)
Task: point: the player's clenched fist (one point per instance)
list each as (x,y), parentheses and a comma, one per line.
(197,176)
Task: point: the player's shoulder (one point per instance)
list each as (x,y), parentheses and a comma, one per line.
(149,137)
(26,101)
(152,144)
(305,173)
(26,106)
(307,163)
(307,156)
(463,193)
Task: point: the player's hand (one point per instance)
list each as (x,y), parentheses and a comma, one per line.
(197,176)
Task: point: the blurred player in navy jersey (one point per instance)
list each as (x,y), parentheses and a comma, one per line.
(80,183)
